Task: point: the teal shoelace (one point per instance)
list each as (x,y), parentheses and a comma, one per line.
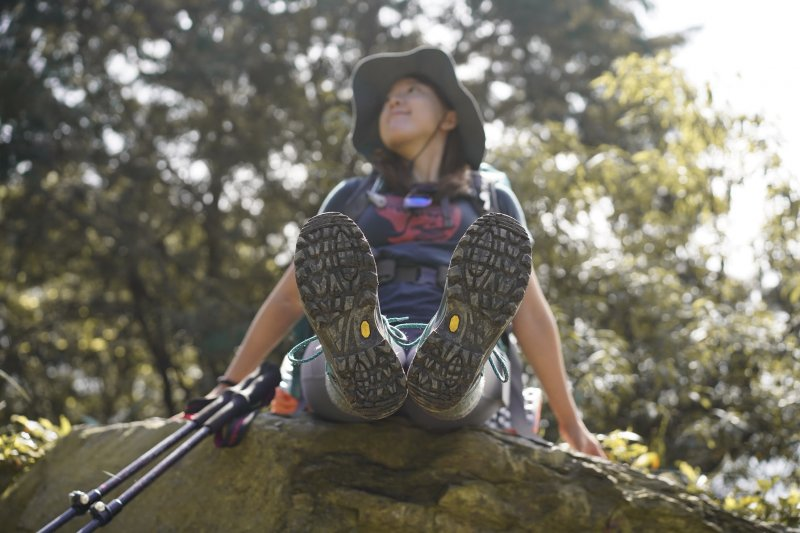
(499,361)
(395,326)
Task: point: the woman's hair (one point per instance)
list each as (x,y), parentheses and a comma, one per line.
(454,175)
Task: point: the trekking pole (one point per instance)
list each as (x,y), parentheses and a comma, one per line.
(255,391)
(81,502)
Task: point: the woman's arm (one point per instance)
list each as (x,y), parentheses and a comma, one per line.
(282,307)
(279,312)
(536,330)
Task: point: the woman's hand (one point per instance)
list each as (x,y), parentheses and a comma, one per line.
(581,439)
(196,405)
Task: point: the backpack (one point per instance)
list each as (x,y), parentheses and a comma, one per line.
(484,180)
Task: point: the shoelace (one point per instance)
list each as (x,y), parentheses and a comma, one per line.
(499,364)
(395,326)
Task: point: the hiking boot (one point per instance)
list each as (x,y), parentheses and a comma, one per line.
(486,281)
(338,284)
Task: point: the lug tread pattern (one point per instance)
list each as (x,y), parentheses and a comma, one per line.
(338,283)
(488,275)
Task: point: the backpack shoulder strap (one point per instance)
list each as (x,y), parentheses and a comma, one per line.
(360,197)
(485,181)
(520,422)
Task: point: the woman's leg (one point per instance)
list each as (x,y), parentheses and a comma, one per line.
(486,403)
(325,401)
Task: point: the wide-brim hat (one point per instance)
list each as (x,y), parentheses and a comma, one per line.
(374,76)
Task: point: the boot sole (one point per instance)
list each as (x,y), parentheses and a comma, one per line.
(338,284)
(486,281)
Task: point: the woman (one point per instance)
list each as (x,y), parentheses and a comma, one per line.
(464,278)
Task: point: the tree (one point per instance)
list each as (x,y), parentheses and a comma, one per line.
(157,158)
(164,148)
(656,334)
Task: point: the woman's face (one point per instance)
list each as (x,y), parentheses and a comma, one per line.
(411,115)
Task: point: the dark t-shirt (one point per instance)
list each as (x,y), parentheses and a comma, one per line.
(415,237)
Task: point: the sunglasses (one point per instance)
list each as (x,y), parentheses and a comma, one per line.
(419,198)
(417,201)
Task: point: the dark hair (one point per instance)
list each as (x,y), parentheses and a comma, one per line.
(454,175)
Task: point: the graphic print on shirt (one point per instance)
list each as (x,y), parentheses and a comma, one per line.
(426,224)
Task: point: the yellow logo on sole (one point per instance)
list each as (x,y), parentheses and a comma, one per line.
(454,322)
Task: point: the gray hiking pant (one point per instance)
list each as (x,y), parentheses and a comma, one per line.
(312,379)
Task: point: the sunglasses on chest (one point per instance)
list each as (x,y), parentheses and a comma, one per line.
(419,197)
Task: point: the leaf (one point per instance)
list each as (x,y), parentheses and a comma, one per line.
(649,461)
(65,427)
(690,473)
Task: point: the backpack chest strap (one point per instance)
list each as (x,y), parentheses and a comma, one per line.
(389,271)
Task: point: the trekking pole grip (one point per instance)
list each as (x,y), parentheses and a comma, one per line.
(255,391)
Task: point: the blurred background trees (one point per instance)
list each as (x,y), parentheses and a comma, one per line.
(157,158)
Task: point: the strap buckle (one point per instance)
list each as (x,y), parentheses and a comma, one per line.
(427,276)
(389,270)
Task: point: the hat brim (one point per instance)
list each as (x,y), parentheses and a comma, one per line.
(375,75)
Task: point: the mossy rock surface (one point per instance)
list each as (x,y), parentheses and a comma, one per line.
(307,475)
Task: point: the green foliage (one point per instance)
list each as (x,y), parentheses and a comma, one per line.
(654,333)
(784,510)
(25,441)
(771,500)
(157,158)
(627,447)
(154,159)
(781,253)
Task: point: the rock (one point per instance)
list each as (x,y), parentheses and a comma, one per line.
(303,474)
